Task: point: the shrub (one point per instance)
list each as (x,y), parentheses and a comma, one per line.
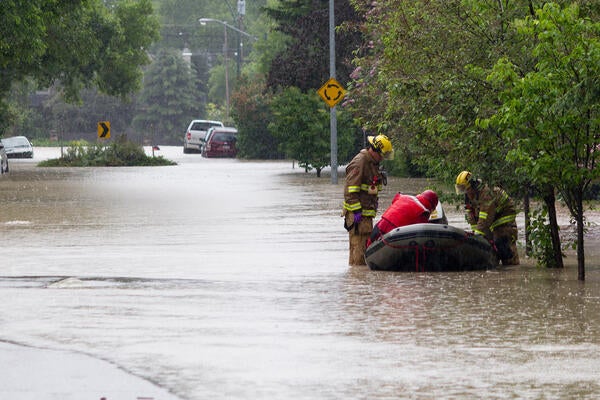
(120,153)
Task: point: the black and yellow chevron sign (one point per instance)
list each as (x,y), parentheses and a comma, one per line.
(104,130)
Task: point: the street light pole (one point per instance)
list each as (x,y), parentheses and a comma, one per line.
(241,11)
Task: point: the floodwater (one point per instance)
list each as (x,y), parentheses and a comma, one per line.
(226,279)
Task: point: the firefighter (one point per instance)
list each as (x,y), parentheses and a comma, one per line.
(405,210)
(490,213)
(364,180)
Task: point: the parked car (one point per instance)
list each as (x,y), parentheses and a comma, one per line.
(3,160)
(195,134)
(220,142)
(17,147)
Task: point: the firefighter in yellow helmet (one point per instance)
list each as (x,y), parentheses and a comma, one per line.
(490,212)
(363,182)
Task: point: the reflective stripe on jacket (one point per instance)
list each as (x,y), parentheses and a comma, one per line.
(489,209)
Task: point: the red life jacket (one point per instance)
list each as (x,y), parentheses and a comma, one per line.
(404,210)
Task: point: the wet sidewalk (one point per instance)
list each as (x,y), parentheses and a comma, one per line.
(38,374)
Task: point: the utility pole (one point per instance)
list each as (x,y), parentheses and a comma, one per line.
(241,11)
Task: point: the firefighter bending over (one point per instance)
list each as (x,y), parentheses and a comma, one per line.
(491,213)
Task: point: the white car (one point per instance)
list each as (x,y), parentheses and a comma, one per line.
(3,160)
(196,134)
(17,147)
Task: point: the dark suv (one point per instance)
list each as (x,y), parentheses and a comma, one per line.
(220,142)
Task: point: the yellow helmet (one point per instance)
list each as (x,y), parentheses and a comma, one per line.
(463,182)
(382,145)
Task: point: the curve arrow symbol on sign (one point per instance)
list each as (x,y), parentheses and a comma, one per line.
(104,129)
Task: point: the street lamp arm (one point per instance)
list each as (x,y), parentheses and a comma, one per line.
(205,20)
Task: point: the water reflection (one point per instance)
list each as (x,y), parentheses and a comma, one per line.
(228,280)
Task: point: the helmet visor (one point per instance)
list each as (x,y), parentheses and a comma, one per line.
(388,155)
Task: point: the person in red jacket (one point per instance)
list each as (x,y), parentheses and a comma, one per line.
(405,210)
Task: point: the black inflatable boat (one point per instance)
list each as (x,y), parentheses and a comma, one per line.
(430,247)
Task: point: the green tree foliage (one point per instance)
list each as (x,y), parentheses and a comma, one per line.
(80,121)
(305,61)
(420,78)
(218,82)
(169,99)
(301,124)
(76,42)
(79,43)
(22,117)
(553,112)
(251,107)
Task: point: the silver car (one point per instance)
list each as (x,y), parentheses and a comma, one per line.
(3,160)
(195,135)
(17,147)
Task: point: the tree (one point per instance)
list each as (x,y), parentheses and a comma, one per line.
(80,43)
(251,108)
(421,78)
(304,62)
(301,124)
(80,121)
(554,110)
(169,99)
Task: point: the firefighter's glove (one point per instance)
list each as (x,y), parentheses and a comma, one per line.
(357,217)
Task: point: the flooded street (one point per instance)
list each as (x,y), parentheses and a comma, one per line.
(227,279)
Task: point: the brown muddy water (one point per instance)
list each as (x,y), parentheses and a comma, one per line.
(227,279)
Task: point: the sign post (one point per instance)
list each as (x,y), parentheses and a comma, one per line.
(333,117)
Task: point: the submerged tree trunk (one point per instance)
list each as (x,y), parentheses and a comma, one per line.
(580,228)
(550,200)
(527,212)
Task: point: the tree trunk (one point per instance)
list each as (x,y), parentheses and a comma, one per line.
(527,212)
(580,228)
(550,200)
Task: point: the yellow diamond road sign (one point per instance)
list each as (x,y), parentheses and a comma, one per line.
(332,92)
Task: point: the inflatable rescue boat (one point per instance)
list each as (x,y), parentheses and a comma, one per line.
(434,246)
